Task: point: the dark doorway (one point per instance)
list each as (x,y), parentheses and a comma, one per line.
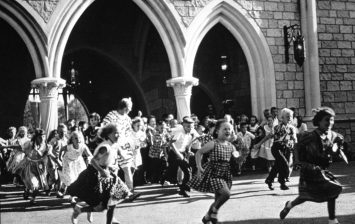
(200,103)
(16,73)
(221,66)
(101,82)
(118,49)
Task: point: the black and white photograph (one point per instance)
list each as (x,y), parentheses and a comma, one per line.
(177,111)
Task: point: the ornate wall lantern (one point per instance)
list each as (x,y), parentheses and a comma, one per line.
(72,84)
(73,76)
(225,69)
(34,101)
(293,34)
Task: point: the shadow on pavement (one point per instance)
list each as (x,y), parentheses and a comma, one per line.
(154,200)
(243,183)
(12,201)
(41,205)
(11,197)
(10,188)
(343,219)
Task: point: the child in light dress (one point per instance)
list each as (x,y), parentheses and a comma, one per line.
(253,124)
(247,138)
(254,152)
(73,161)
(140,141)
(17,155)
(265,148)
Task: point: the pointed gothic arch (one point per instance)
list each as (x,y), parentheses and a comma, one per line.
(115,63)
(251,39)
(29,31)
(158,12)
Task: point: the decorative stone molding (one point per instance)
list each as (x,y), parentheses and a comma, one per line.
(48,107)
(48,87)
(182,85)
(182,89)
(189,9)
(199,3)
(189,3)
(44,8)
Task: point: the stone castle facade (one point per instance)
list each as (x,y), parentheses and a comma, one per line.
(326,78)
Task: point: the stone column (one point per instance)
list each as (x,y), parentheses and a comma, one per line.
(35,113)
(311,66)
(182,91)
(48,107)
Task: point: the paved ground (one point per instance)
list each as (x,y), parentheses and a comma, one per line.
(251,202)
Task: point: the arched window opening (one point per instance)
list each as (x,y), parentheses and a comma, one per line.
(222,68)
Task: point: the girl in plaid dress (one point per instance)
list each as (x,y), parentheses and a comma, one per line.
(204,139)
(215,176)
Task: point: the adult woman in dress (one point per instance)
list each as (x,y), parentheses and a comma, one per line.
(98,185)
(314,154)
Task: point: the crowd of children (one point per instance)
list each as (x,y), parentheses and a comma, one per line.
(147,145)
(148,150)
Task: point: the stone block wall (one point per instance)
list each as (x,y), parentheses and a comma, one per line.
(336,33)
(336,40)
(271,16)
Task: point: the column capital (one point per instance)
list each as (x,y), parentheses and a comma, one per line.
(182,81)
(182,85)
(182,89)
(48,93)
(48,87)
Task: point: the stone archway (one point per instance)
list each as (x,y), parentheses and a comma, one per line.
(111,62)
(245,30)
(231,85)
(158,12)
(30,32)
(15,80)
(29,41)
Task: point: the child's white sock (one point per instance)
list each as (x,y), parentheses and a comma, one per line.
(334,221)
(289,204)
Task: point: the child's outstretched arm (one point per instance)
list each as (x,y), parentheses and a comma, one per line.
(267,137)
